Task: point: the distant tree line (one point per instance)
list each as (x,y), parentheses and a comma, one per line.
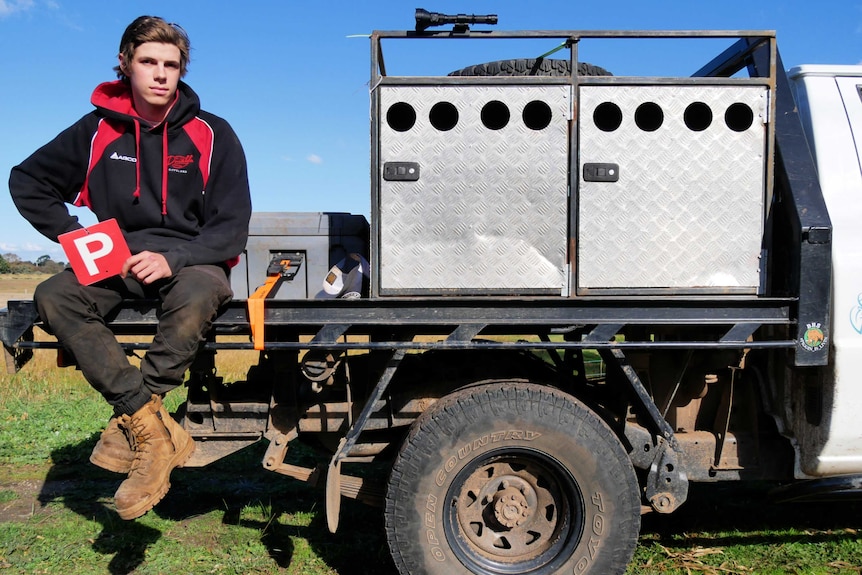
(12,264)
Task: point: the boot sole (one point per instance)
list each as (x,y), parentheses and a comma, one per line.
(114,465)
(178,460)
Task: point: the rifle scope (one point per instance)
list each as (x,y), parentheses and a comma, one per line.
(426,19)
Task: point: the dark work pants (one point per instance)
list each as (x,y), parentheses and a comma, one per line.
(75,314)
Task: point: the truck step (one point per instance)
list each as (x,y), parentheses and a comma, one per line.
(842,487)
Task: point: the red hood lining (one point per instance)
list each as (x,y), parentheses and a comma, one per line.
(116,97)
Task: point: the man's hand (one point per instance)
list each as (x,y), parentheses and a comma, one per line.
(147,267)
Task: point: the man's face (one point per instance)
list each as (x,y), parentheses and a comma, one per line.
(154,73)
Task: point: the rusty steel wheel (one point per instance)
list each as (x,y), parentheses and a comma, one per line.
(519,508)
(511,477)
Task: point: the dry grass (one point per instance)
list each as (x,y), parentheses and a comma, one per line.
(232,365)
(18,286)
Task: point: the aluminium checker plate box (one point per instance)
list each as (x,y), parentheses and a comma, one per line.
(687,210)
(486,210)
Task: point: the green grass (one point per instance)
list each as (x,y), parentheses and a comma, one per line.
(60,421)
(732,528)
(195,530)
(74,543)
(231,517)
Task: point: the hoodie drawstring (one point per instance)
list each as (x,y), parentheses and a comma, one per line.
(165,169)
(137,192)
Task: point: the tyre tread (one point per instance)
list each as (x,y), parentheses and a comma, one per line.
(501,400)
(530,67)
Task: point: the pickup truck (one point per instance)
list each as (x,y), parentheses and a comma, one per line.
(577,294)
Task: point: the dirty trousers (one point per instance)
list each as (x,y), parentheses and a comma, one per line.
(76,314)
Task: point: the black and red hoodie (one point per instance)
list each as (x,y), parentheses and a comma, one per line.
(179,188)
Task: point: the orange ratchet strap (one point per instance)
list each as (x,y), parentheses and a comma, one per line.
(281,267)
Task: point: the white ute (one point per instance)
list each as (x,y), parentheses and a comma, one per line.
(829,100)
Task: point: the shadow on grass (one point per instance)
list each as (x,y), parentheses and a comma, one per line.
(85,489)
(279,509)
(731,514)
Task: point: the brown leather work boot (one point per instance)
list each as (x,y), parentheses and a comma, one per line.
(160,446)
(114,450)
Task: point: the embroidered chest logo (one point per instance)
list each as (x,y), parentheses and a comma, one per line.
(116,156)
(180,163)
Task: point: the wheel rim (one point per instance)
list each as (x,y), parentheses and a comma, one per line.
(513,511)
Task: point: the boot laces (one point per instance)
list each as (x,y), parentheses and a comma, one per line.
(126,430)
(140,441)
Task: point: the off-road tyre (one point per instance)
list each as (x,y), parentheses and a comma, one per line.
(511,477)
(530,67)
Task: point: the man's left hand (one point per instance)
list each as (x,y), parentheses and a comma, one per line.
(147,267)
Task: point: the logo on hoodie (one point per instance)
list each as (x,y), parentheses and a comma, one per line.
(179,163)
(116,156)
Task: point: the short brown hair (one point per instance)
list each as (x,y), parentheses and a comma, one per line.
(152,29)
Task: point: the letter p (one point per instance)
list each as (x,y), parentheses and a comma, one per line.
(92,247)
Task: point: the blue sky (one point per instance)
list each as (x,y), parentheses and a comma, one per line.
(293,81)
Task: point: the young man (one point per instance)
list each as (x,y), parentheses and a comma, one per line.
(175,179)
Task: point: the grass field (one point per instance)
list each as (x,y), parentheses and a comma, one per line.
(233,517)
(18,286)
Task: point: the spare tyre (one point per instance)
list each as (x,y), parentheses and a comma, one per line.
(530,67)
